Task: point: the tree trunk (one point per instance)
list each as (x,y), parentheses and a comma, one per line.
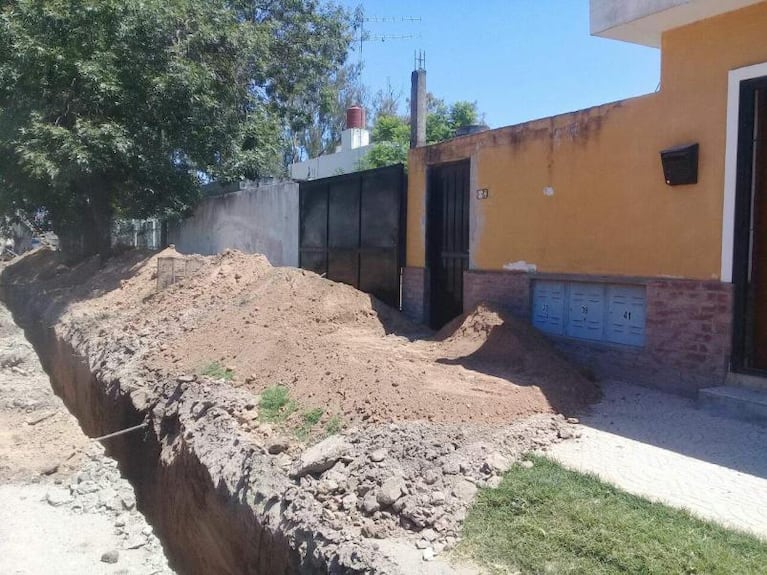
(92,234)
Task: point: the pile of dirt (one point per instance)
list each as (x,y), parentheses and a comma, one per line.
(426,419)
(333,346)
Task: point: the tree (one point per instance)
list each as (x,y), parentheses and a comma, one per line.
(391,141)
(318,130)
(123,107)
(391,133)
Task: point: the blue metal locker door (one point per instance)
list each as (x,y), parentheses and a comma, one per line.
(549,306)
(586,311)
(626,315)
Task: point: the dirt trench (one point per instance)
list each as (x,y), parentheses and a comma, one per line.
(202,527)
(426,421)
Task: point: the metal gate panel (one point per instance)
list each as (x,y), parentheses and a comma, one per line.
(352,229)
(379,223)
(344,214)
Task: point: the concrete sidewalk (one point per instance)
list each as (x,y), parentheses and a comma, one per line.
(661,447)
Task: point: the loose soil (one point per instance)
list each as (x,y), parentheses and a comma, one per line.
(333,346)
(426,418)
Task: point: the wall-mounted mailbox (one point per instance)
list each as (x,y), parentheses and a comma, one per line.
(680,165)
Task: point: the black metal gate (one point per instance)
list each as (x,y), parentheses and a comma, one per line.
(447,239)
(352,229)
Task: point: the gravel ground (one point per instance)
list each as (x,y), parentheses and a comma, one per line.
(64,508)
(661,447)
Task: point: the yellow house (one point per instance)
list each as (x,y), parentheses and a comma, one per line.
(634,233)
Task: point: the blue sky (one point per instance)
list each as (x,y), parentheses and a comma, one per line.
(519,59)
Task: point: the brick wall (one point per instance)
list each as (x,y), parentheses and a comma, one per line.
(689,329)
(508,289)
(688,335)
(415,301)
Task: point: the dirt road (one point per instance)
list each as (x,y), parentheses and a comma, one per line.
(64,507)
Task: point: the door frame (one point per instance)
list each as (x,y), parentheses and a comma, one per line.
(736,217)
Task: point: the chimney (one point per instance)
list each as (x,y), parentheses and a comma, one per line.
(418,107)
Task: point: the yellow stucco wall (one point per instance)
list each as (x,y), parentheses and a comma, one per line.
(611,211)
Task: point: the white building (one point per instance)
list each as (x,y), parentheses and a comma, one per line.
(355,143)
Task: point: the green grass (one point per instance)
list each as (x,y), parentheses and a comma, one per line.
(310,419)
(550,520)
(333,425)
(275,404)
(215,370)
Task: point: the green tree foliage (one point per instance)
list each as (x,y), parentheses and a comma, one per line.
(123,107)
(391,133)
(317,130)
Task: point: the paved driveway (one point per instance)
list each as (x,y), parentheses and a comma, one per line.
(660,446)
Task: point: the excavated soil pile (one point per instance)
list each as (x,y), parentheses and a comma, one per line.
(426,419)
(333,346)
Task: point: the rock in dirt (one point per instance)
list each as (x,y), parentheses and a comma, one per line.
(495,463)
(321,457)
(378,455)
(58,498)
(494,482)
(278,445)
(110,556)
(370,503)
(464,490)
(390,491)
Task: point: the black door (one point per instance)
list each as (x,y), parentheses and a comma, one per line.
(447,247)
(352,229)
(750,257)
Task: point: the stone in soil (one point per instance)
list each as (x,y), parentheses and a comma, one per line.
(322,456)
(110,556)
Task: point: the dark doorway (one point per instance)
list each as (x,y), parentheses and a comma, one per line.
(750,258)
(352,229)
(447,239)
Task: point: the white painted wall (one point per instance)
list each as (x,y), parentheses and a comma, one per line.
(644,21)
(354,145)
(259,218)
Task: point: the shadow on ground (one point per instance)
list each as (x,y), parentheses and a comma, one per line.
(674,423)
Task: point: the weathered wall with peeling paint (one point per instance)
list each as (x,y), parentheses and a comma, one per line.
(611,211)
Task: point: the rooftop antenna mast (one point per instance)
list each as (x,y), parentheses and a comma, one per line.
(419,60)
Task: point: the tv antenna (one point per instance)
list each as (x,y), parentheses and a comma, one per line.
(419,60)
(367,37)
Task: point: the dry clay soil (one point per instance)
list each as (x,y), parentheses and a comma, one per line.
(334,347)
(339,350)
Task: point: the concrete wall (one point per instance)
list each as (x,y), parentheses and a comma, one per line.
(342,162)
(259,218)
(645,21)
(584,192)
